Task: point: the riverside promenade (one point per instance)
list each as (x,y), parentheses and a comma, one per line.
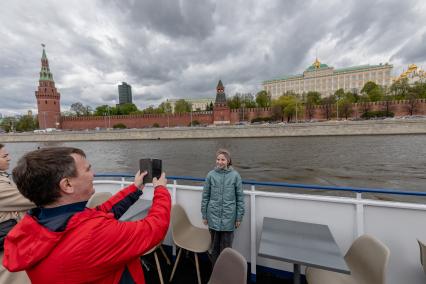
(329,128)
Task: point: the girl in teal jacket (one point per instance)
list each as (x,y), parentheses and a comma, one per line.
(222,205)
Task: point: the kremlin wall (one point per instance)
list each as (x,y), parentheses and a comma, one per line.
(49,115)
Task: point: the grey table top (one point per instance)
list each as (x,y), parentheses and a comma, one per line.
(301,243)
(137,211)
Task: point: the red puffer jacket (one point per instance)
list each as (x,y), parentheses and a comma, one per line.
(94,247)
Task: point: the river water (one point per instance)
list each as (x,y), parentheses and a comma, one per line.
(385,161)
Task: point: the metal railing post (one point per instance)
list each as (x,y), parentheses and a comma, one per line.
(123,179)
(253,249)
(174,202)
(359,216)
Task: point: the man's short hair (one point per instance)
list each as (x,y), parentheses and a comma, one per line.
(38,173)
(1,145)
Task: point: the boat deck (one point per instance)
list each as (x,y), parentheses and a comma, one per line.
(186,273)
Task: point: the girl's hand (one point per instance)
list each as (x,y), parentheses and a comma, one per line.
(205,221)
(237,224)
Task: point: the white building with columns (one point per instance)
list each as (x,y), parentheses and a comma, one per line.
(326,80)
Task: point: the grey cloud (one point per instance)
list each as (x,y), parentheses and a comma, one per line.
(180,49)
(192,18)
(413,51)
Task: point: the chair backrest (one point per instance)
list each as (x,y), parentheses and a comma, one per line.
(230,267)
(180,221)
(368,259)
(422,254)
(97,199)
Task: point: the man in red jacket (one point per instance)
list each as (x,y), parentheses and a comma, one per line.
(62,241)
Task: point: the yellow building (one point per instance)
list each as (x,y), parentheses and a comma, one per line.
(326,80)
(413,74)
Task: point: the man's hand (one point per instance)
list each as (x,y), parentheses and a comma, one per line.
(205,222)
(237,224)
(139,179)
(161,181)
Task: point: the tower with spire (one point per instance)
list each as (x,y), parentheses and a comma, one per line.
(48,98)
(221,110)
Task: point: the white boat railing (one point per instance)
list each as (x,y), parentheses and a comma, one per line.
(397,224)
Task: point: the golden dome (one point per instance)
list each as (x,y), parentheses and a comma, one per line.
(412,67)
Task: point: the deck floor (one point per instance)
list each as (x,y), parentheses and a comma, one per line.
(186,272)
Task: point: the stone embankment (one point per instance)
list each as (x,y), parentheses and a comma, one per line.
(330,128)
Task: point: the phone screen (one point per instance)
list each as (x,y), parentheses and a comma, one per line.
(156,168)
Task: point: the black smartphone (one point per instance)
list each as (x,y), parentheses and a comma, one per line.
(152,166)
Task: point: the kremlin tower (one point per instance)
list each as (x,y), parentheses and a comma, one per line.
(48,98)
(221,111)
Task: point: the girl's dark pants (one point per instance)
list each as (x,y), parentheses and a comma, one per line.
(220,241)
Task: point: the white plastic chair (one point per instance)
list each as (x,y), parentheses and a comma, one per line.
(188,237)
(230,267)
(367,259)
(422,246)
(97,199)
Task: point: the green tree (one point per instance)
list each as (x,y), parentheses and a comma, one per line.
(340,93)
(368,87)
(9,124)
(150,110)
(165,107)
(412,103)
(209,107)
(263,99)
(328,103)
(235,102)
(400,88)
(419,89)
(345,105)
(27,123)
(312,99)
(288,105)
(102,110)
(373,91)
(125,109)
(182,106)
(364,101)
(248,100)
(78,109)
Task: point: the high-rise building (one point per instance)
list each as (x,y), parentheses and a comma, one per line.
(124,93)
(48,98)
(327,80)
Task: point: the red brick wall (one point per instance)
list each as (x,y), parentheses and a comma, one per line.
(399,108)
(136,121)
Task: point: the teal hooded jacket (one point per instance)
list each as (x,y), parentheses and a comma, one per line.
(222,203)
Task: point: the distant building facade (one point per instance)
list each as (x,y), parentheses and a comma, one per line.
(327,80)
(197,104)
(124,93)
(48,97)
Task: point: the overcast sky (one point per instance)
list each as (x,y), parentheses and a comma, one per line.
(180,49)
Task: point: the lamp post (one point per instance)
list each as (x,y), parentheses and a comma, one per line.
(109,119)
(168,119)
(337,107)
(243,104)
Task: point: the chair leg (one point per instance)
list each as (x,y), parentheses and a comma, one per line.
(198,268)
(176,263)
(160,275)
(165,255)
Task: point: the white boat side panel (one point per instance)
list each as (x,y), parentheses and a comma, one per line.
(398,229)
